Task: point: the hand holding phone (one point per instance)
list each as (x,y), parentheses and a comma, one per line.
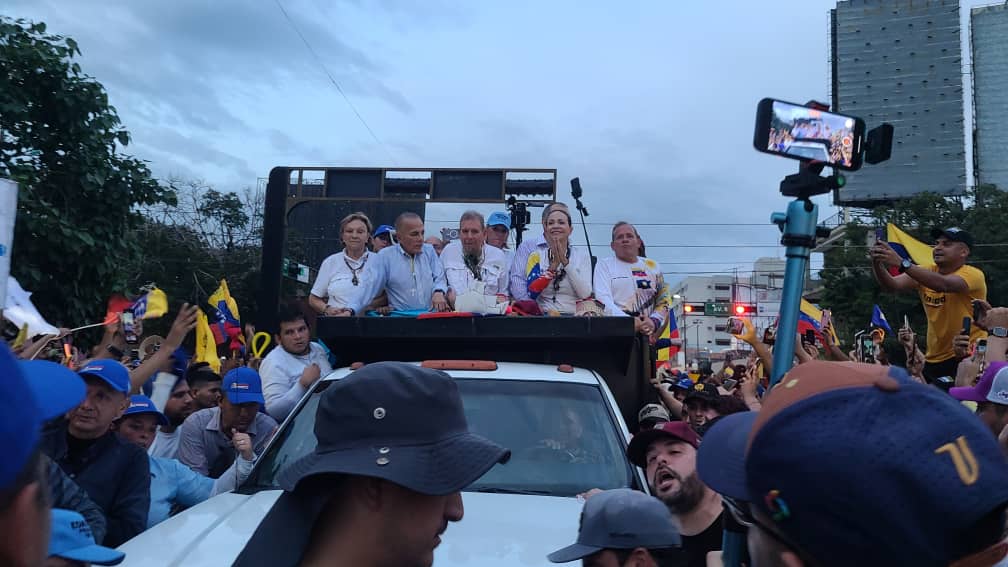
(966,326)
(129,327)
(729,384)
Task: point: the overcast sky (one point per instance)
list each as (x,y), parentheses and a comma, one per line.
(651,104)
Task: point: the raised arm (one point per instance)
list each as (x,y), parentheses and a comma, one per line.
(184,322)
(883,257)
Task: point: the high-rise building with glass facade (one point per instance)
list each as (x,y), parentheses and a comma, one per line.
(900,61)
(989,44)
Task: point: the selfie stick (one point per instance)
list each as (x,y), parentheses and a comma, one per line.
(799,232)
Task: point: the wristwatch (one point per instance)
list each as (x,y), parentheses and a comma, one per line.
(1000,332)
(905,265)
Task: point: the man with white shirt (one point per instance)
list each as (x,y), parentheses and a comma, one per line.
(629,285)
(291,368)
(471,265)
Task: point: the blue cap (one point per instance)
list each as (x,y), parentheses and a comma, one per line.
(856,464)
(111,371)
(34,392)
(621,519)
(383,229)
(142,404)
(243,385)
(72,539)
(499,219)
(686,383)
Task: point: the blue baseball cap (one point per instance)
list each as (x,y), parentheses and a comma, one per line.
(243,385)
(142,404)
(34,392)
(499,219)
(111,371)
(621,519)
(72,539)
(856,464)
(383,229)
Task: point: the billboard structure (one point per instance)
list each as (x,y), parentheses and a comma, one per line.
(900,61)
(988,30)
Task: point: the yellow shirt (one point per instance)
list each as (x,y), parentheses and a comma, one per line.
(945,312)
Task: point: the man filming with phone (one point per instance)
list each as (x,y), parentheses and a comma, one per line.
(946,289)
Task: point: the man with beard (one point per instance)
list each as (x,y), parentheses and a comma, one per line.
(946,288)
(668,456)
(206,444)
(288,371)
(471,265)
(177,408)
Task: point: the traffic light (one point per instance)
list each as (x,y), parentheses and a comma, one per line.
(693,308)
(744,309)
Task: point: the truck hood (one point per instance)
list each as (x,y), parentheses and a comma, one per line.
(497,530)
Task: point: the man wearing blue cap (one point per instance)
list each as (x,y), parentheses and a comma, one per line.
(383,237)
(394,452)
(857,464)
(34,392)
(624,528)
(172,483)
(73,545)
(206,444)
(87,449)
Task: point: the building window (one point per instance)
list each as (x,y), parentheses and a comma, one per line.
(722,287)
(722,342)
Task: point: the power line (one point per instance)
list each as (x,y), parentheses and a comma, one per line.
(333,81)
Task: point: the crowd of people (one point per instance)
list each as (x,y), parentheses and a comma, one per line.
(398,271)
(849,460)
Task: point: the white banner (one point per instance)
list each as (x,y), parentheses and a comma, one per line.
(19,309)
(8,212)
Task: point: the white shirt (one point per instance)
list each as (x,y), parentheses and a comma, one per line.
(165,444)
(574,286)
(623,287)
(335,279)
(493,271)
(281,374)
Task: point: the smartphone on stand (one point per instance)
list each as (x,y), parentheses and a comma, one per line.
(807,134)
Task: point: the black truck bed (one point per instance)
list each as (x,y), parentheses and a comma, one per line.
(607,345)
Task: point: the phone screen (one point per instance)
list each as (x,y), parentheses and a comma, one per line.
(807,134)
(729,383)
(129,327)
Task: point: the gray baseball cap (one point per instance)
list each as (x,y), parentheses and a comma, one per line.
(621,519)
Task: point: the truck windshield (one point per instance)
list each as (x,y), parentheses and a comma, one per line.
(562,437)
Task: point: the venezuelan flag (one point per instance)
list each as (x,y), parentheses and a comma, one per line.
(152,305)
(907,246)
(227,320)
(810,317)
(667,352)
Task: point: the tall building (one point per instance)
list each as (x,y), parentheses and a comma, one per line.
(703,335)
(989,43)
(900,61)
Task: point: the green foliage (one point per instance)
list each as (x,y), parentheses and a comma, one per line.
(59,140)
(850,289)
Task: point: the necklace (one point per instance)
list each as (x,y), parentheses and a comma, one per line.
(561,271)
(355,271)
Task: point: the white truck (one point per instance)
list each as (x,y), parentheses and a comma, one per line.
(555,412)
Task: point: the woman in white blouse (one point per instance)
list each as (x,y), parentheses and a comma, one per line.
(341,277)
(558,273)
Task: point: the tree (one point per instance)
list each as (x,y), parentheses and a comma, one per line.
(204,236)
(849,288)
(60,140)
